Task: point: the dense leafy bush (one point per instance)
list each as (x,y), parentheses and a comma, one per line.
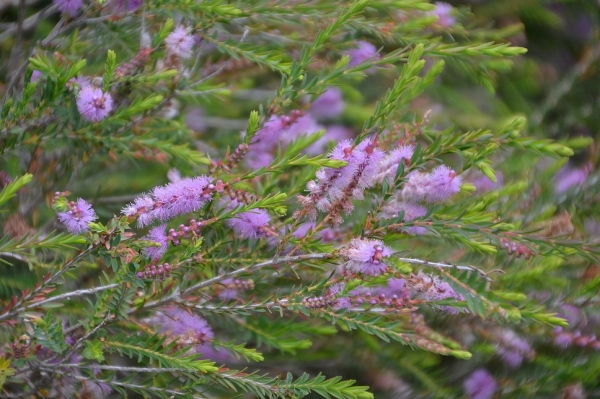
(288,199)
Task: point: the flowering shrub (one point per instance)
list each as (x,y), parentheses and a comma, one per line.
(220,198)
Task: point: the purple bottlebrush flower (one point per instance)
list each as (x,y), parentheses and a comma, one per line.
(480,385)
(166,202)
(342,303)
(445,182)
(180,42)
(366,256)
(337,288)
(362,52)
(328,105)
(156,234)
(68,6)
(186,328)
(337,179)
(251,224)
(411,211)
(389,164)
(367,170)
(93,104)
(129,5)
(437,186)
(180,197)
(444,13)
(77,217)
(570,176)
(333,188)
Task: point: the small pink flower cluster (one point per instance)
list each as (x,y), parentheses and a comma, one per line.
(437,186)
(251,224)
(169,201)
(184,328)
(77,216)
(334,188)
(180,42)
(366,256)
(93,104)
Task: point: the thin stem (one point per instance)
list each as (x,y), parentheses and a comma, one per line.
(288,259)
(218,71)
(126,385)
(55,277)
(444,265)
(70,294)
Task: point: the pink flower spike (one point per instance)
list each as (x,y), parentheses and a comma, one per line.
(251,224)
(189,328)
(156,234)
(180,42)
(389,165)
(366,256)
(77,217)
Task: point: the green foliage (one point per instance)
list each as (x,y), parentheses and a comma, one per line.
(153,348)
(11,188)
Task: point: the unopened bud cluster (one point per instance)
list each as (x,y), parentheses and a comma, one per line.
(137,63)
(193,229)
(568,338)
(519,250)
(161,271)
(393,301)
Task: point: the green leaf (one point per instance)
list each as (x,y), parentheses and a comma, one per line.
(93,351)
(109,69)
(10,190)
(5,370)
